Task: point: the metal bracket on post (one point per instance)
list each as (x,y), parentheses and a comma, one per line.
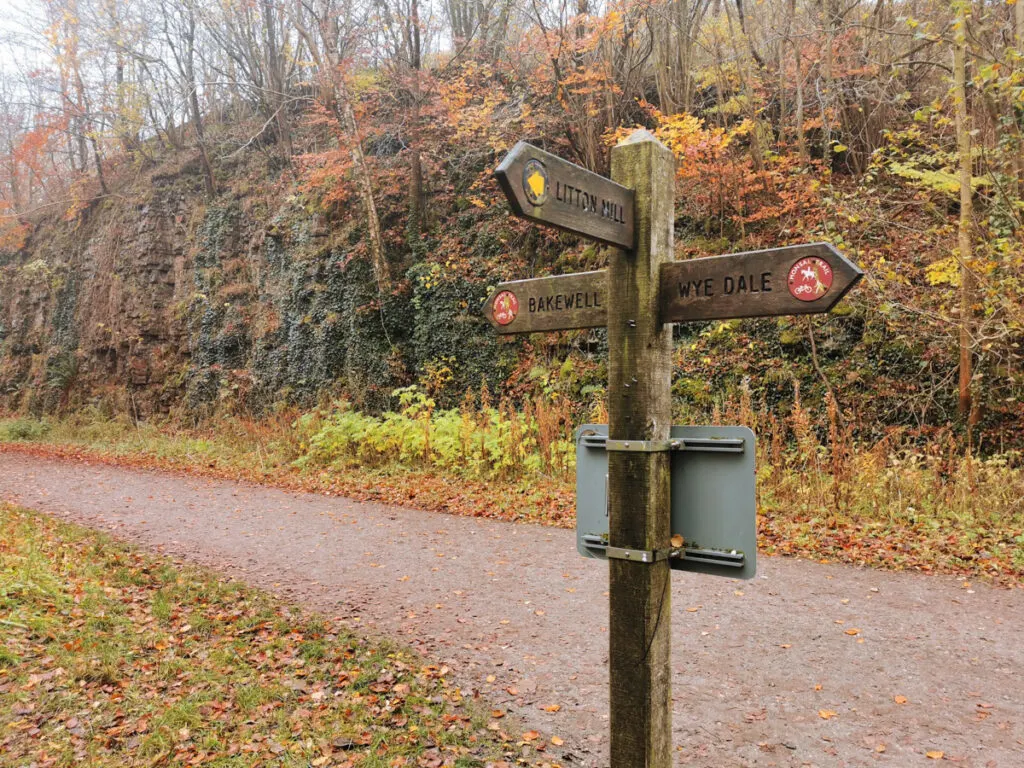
(639,446)
(640,555)
(682,444)
(718,557)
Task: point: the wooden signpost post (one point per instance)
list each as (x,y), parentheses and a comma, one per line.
(637,297)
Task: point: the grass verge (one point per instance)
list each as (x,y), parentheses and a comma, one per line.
(113,658)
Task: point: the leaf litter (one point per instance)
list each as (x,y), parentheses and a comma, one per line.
(110,658)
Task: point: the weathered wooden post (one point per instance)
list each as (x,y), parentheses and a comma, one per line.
(639,419)
(637,297)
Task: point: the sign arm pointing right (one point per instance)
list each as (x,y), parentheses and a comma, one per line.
(795,280)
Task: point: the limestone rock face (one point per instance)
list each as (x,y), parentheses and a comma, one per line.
(88,306)
(156,299)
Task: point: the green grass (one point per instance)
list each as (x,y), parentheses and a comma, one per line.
(112,658)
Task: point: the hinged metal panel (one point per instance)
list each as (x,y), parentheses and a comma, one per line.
(713,503)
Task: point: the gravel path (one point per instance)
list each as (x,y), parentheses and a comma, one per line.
(513,608)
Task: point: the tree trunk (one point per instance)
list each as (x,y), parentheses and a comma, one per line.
(377,258)
(965,238)
(193,102)
(415,159)
(798,119)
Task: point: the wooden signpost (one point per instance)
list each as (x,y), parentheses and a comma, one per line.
(798,280)
(637,297)
(549,303)
(547,189)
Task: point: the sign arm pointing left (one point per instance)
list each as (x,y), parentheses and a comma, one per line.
(549,303)
(547,189)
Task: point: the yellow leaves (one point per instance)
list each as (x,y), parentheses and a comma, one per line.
(942,181)
(852,632)
(900,699)
(827,714)
(943,272)
(935,754)
(744,128)
(531,736)
(690,141)
(552,707)
(557,741)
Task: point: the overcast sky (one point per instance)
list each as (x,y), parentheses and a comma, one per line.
(15,49)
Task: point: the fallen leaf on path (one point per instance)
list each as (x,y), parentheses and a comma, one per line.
(531,736)
(557,741)
(852,632)
(826,714)
(935,754)
(552,707)
(900,699)
(496,713)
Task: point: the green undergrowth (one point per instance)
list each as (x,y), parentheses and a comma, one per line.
(895,503)
(110,658)
(489,442)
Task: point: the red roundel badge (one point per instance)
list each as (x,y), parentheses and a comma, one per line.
(810,278)
(506,307)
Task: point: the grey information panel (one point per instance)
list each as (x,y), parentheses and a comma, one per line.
(713,498)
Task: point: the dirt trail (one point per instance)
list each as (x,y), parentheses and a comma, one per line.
(515,602)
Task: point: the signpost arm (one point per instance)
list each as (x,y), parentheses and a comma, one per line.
(639,397)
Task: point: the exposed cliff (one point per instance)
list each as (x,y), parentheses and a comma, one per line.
(157,297)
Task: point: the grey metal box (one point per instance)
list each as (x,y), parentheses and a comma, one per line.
(713,504)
